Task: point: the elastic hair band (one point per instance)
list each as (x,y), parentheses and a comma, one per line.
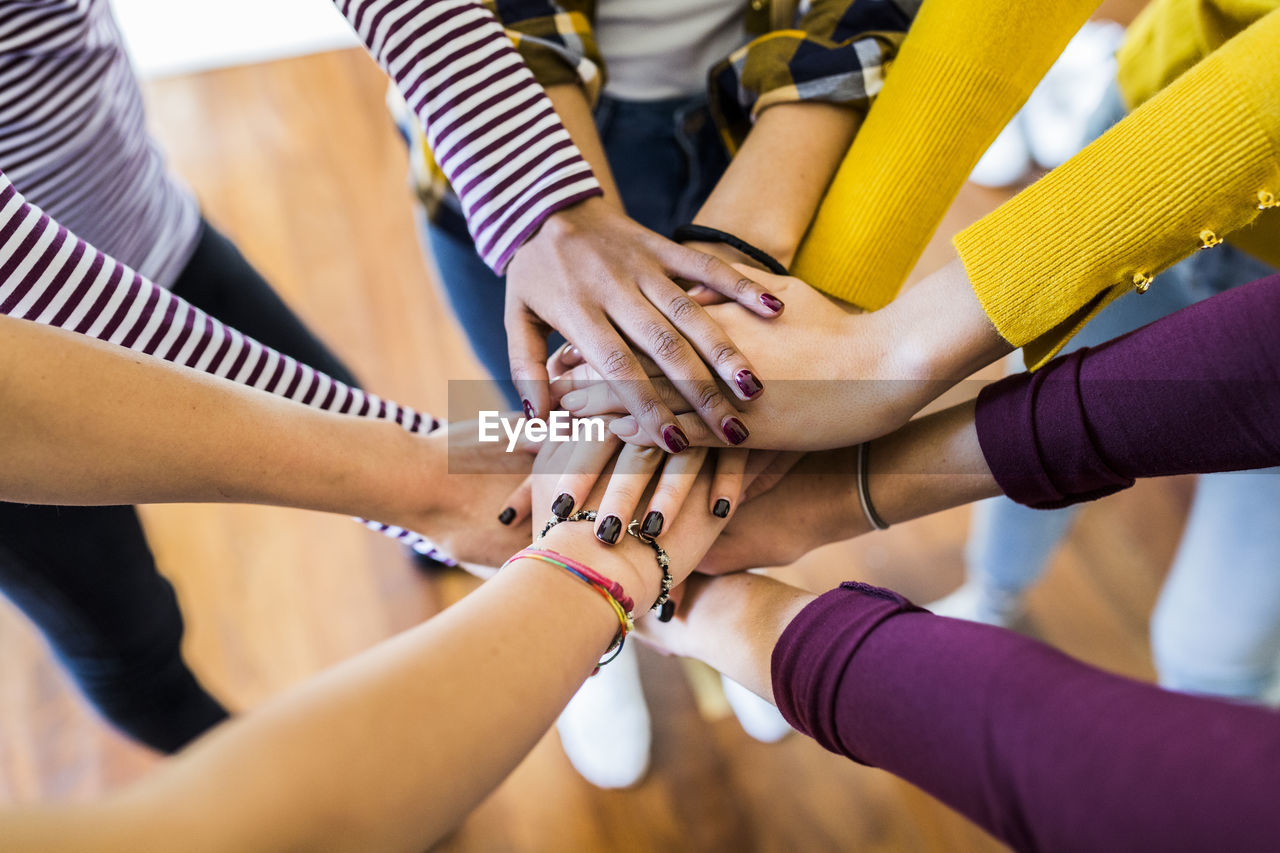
(702,234)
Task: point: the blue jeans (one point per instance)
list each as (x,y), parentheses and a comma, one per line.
(1216,626)
(666,157)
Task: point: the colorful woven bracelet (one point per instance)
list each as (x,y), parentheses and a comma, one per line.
(633,529)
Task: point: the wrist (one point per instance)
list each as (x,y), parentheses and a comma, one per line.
(630,562)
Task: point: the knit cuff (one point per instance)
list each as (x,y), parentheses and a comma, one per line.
(1146,194)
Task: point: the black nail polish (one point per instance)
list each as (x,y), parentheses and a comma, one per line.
(529,410)
(508,515)
(734,430)
(721,509)
(563,505)
(667,610)
(750,386)
(652,524)
(609,529)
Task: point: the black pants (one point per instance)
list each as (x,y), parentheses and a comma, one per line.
(85,575)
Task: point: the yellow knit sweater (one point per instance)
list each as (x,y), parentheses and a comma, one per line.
(1198,161)
(964,69)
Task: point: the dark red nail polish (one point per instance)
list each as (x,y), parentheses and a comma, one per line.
(563,505)
(508,515)
(667,611)
(747,381)
(773,303)
(675,438)
(529,410)
(609,529)
(734,430)
(652,524)
(721,509)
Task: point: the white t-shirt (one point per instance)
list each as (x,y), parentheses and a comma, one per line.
(657,49)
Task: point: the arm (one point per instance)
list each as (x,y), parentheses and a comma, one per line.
(391,749)
(162,433)
(1195,392)
(1040,750)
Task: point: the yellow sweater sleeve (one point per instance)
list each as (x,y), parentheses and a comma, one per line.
(1193,164)
(964,69)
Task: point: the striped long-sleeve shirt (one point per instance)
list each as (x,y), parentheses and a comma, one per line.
(73,136)
(50,276)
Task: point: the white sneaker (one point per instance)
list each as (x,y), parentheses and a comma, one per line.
(975,602)
(1006,162)
(605,728)
(759,718)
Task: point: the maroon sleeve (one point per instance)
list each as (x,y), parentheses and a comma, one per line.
(1195,392)
(1040,750)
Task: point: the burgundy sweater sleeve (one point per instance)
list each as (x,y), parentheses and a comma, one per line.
(1040,750)
(1195,392)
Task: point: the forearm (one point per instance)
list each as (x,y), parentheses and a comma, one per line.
(774,183)
(387,751)
(161,433)
(1041,750)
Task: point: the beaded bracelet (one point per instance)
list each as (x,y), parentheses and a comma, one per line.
(664,561)
(611,591)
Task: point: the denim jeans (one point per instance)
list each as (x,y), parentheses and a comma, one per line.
(85,575)
(666,157)
(1216,626)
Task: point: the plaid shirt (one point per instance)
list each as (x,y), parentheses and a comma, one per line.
(836,51)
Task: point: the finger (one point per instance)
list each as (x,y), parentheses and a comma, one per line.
(527,351)
(599,398)
(707,338)
(691,425)
(582,470)
(613,359)
(564,359)
(518,505)
(631,476)
(771,474)
(681,363)
(739,283)
(676,481)
(726,485)
(703,296)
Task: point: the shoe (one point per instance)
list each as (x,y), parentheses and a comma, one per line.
(605,728)
(1056,118)
(759,718)
(976,602)
(1006,162)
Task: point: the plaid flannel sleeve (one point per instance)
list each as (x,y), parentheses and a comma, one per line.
(837,52)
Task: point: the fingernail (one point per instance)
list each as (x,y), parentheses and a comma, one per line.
(563,505)
(574,400)
(508,515)
(734,430)
(675,438)
(609,529)
(721,509)
(747,381)
(624,427)
(667,610)
(529,410)
(652,524)
(773,303)
(570,353)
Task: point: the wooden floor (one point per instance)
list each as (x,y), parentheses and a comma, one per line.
(298,162)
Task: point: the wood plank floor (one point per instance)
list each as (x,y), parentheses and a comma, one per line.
(298,162)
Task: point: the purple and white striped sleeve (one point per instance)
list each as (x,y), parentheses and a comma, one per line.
(50,276)
(489,125)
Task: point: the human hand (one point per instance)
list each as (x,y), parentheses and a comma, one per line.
(816,355)
(685,537)
(606,283)
(453,489)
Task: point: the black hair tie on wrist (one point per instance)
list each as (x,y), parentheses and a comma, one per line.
(702,234)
